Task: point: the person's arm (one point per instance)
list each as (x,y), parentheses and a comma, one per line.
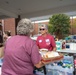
(36,57)
(54,48)
(40,64)
(53,43)
(37,42)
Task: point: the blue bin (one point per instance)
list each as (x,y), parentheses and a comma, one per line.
(1,62)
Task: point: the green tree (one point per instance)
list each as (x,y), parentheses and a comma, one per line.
(59,24)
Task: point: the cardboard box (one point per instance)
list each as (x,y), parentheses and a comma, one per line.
(53,59)
(1,52)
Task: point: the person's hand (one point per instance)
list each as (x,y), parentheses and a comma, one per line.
(44,62)
(54,49)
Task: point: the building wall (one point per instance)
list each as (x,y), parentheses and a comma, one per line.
(35,29)
(9,25)
(73,26)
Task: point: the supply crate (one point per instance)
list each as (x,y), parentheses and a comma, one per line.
(59,69)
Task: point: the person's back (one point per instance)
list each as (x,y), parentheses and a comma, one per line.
(21,53)
(17,58)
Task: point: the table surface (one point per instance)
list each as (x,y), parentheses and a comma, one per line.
(70,52)
(67,51)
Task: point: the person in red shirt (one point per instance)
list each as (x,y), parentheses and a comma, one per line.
(45,40)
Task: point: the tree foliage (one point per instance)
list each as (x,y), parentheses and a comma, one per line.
(59,25)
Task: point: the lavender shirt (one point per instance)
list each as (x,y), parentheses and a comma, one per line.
(21,53)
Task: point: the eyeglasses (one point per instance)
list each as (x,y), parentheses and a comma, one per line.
(42,29)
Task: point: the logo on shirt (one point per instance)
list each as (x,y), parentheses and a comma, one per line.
(47,41)
(40,41)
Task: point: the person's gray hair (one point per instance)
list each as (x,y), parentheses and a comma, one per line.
(24,27)
(45,26)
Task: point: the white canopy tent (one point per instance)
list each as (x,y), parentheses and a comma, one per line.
(35,8)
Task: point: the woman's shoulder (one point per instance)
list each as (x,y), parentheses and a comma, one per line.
(39,37)
(51,36)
